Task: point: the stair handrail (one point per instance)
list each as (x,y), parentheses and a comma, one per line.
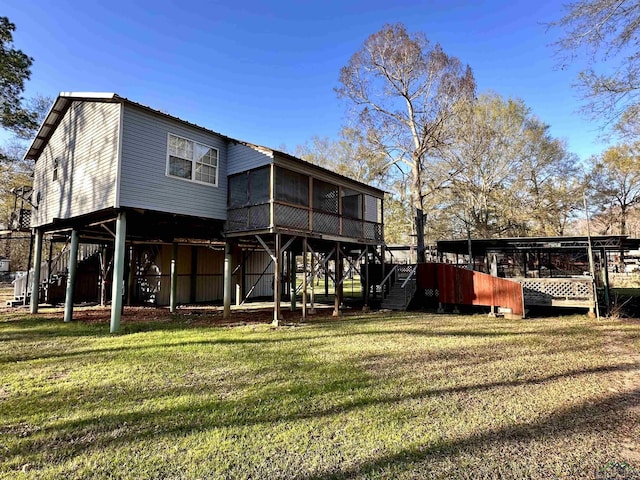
(408,295)
(410,276)
(381,285)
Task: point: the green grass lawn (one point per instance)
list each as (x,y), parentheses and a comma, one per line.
(375,396)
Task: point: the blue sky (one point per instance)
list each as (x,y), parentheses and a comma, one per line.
(265,71)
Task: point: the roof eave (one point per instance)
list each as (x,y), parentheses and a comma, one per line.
(56,113)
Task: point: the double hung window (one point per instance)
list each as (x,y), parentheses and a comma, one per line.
(192,161)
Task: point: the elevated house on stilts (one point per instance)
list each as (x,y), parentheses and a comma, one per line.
(177,213)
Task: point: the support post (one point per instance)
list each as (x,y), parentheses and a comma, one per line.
(103,276)
(37,260)
(326,279)
(366,285)
(276,283)
(71,277)
(117,284)
(337,297)
(243,280)
(304,278)
(293,269)
(604,266)
(26,284)
(194,275)
(312,308)
(50,259)
(173,294)
(226,291)
(130,271)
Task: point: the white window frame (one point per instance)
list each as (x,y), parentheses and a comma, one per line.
(194,163)
(56,168)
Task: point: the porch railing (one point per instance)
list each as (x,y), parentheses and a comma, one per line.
(299,218)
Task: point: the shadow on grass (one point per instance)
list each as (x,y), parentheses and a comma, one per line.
(348,389)
(602,416)
(39,333)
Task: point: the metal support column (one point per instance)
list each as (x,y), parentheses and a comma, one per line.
(117,284)
(292,279)
(337,297)
(304,278)
(276,282)
(71,278)
(26,283)
(604,266)
(226,293)
(173,294)
(366,285)
(37,260)
(312,308)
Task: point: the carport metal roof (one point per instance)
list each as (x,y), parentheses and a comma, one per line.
(480,247)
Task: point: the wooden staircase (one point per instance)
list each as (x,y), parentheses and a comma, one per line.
(398,287)
(59,267)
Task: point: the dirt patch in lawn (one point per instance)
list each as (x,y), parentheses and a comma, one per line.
(197,315)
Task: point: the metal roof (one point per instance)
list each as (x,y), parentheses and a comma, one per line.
(484,245)
(55,115)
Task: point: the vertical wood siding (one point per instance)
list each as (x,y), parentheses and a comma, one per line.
(144,183)
(86,144)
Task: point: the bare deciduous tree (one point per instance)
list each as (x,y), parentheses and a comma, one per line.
(607,32)
(405,92)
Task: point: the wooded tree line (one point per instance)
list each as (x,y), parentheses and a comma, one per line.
(459,163)
(21,117)
(456,162)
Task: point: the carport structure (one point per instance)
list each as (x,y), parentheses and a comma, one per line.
(554,271)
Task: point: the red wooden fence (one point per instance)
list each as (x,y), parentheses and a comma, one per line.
(460,286)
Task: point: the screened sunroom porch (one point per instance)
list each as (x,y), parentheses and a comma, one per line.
(300,198)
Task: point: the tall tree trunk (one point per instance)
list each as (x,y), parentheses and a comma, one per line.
(418,205)
(623,219)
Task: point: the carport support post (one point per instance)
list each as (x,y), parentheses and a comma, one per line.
(173,295)
(71,278)
(604,266)
(118,272)
(37,260)
(226,292)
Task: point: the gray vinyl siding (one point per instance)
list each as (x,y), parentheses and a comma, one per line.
(143,179)
(242,158)
(86,144)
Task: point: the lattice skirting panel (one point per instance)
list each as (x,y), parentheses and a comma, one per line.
(567,292)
